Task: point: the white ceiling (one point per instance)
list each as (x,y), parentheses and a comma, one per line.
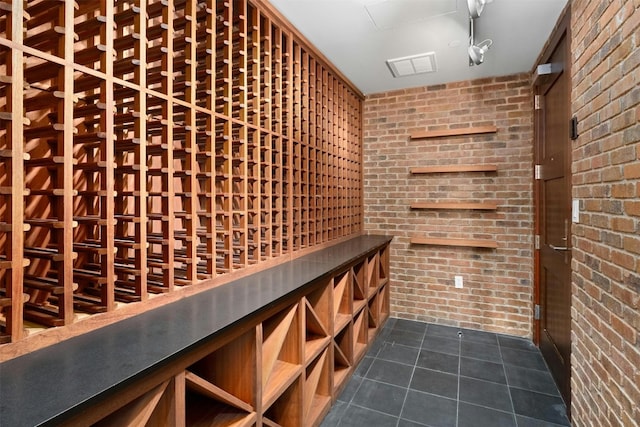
(358,36)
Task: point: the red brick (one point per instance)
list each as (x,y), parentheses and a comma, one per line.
(632,244)
(459,105)
(632,207)
(606,172)
(623,190)
(606,177)
(632,170)
(623,224)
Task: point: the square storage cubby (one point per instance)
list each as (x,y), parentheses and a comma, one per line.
(281,341)
(360,334)
(220,388)
(360,289)
(317,321)
(383,266)
(342,357)
(372,273)
(286,410)
(341,300)
(374,315)
(385,306)
(317,389)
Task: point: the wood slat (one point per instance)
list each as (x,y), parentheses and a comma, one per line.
(313,322)
(340,356)
(206,388)
(269,423)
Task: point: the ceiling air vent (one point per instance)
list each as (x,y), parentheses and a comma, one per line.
(414,64)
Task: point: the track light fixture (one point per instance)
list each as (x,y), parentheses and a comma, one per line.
(476,7)
(477,51)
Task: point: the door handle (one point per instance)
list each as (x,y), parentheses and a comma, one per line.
(565,238)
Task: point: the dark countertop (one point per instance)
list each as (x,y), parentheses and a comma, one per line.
(52,384)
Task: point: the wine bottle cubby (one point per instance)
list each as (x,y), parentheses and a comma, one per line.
(149,145)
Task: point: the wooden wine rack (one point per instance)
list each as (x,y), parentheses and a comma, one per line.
(147,145)
(274,356)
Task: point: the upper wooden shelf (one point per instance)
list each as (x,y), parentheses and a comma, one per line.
(456,205)
(454,168)
(453,132)
(471,243)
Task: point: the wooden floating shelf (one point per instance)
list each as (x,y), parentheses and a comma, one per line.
(489,244)
(454,132)
(461,206)
(454,168)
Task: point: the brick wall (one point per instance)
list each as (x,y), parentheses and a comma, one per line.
(497,293)
(606,255)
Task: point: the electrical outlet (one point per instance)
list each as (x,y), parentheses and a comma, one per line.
(458,282)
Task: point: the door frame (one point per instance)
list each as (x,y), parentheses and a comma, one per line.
(561,29)
(539,84)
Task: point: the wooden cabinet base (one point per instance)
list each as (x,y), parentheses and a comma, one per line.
(283,365)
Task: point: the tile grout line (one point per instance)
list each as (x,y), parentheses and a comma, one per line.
(387,338)
(459,371)
(415,363)
(355,405)
(506,380)
(364,374)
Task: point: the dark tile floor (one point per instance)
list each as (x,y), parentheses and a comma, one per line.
(418,374)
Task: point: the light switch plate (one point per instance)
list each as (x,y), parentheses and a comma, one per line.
(575,211)
(458,282)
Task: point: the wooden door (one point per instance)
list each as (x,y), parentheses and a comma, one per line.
(553,205)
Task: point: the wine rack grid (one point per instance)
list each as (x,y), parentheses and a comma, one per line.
(147,145)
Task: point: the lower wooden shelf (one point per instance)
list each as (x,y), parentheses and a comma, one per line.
(283,375)
(341,321)
(488,244)
(313,347)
